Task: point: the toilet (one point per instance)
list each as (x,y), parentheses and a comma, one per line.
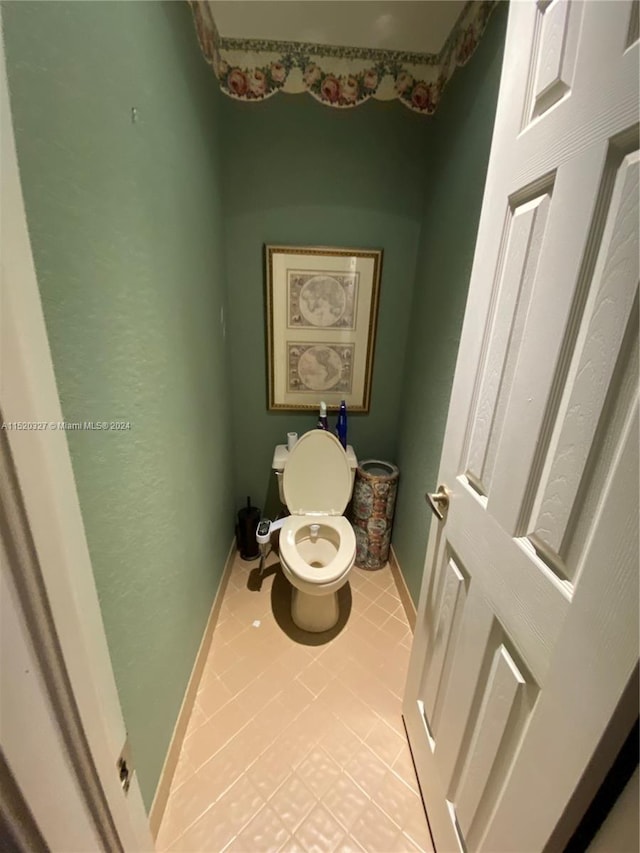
(317,543)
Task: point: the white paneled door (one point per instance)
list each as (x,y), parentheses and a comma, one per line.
(527,631)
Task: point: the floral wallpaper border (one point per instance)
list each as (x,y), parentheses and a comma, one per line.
(342,77)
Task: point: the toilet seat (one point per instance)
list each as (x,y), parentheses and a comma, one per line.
(323,576)
(317,484)
(317,477)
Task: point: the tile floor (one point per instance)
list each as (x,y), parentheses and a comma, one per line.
(296,741)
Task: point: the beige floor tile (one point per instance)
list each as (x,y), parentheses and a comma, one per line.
(368,590)
(396,799)
(345,800)
(204,743)
(275,715)
(197,718)
(354,713)
(406,643)
(384,741)
(366,770)
(395,629)
(230,628)
(255,738)
(270,770)
(224,724)
(206,835)
(184,768)
(382,578)
(296,740)
(295,744)
(349,845)
(399,613)
(315,721)
(394,677)
(369,689)
(316,677)
(410,846)
(293,801)
(375,832)
(357,674)
(241,801)
(318,771)
(265,832)
(384,703)
(333,657)
(319,832)
(389,602)
(258,693)
(340,742)
(376,614)
(221,659)
(396,722)
(213,695)
(213,831)
(241,674)
(403,766)
(292,846)
(366,649)
(416,827)
(296,696)
(256,643)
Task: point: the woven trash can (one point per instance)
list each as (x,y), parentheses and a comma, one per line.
(374,501)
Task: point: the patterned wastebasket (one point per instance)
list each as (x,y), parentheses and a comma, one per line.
(374,501)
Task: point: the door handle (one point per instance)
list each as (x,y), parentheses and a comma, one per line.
(438,501)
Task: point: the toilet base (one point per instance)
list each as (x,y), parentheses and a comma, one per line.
(314,613)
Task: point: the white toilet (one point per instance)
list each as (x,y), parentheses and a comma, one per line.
(317,543)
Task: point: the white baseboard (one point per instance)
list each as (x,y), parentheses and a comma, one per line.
(159,804)
(403,590)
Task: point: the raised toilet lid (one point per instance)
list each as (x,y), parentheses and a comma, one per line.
(317,476)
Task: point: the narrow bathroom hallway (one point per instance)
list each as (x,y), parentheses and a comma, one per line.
(299,747)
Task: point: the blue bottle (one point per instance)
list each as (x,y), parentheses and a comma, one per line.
(341,427)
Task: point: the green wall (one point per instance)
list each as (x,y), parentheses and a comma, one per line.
(299,173)
(125,223)
(462,130)
(137,267)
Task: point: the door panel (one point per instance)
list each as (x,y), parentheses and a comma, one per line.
(556,291)
(450,609)
(525,229)
(504,685)
(557,31)
(522,611)
(600,337)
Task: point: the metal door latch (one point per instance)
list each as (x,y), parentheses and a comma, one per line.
(125,766)
(438,501)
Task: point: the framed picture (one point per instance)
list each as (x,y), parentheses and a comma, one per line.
(322,311)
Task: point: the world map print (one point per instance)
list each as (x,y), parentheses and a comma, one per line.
(320,367)
(324,300)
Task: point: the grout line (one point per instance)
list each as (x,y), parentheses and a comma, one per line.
(385,716)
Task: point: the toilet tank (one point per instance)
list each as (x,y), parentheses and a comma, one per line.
(281,454)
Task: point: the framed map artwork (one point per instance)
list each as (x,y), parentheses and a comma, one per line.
(322,311)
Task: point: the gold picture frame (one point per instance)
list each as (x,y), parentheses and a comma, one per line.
(322,314)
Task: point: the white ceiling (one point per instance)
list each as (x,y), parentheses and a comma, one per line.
(421,26)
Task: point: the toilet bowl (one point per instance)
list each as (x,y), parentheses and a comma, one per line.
(317,543)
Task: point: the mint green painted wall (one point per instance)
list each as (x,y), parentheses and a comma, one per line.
(125,222)
(299,173)
(134,258)
(462,130)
